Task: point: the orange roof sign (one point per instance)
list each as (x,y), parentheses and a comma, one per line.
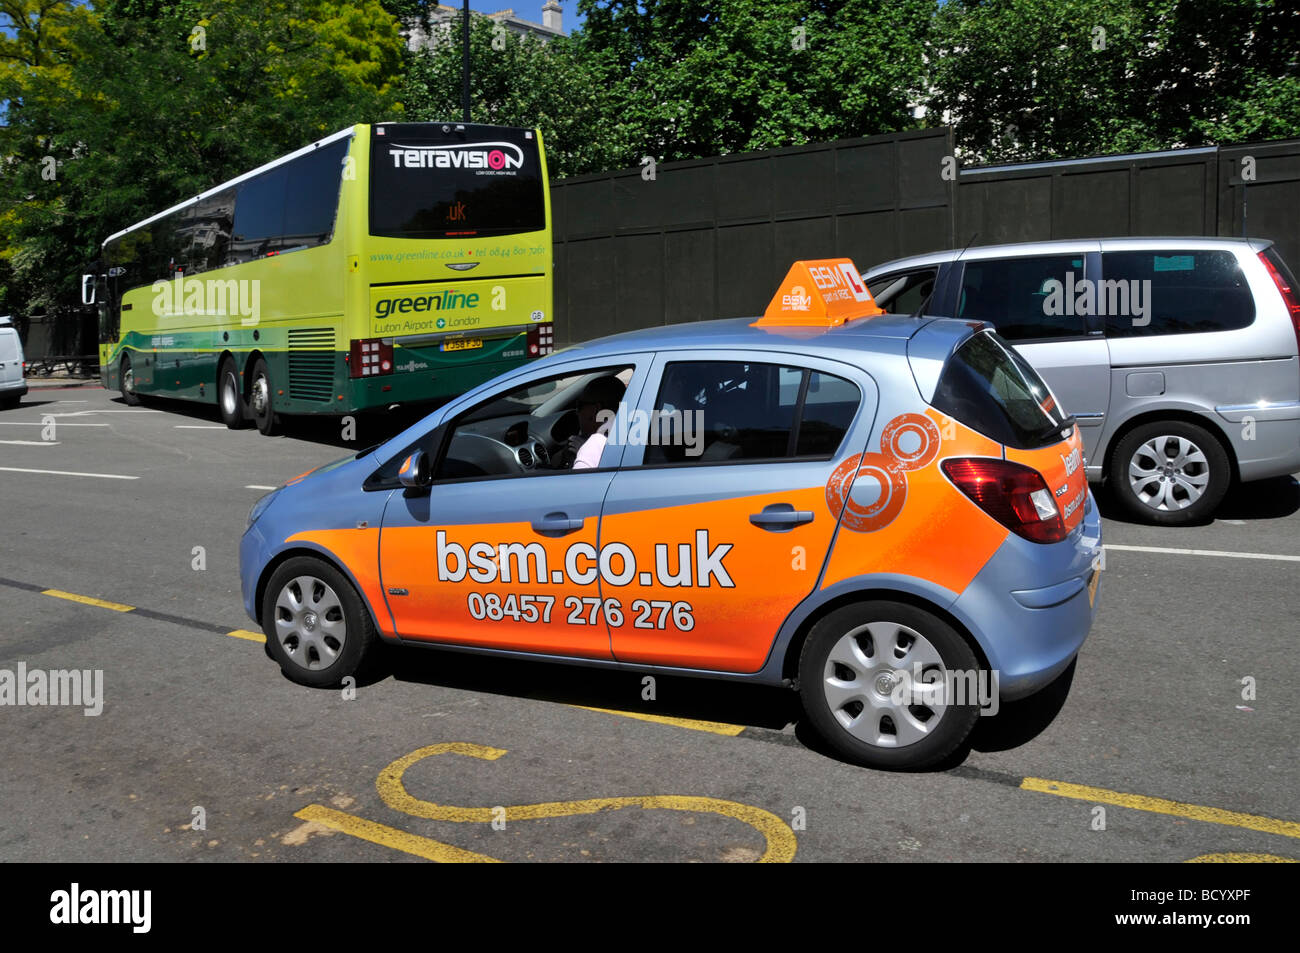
(822,293)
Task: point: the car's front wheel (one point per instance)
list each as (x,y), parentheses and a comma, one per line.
(1170,472)
(316,625)
(889,685)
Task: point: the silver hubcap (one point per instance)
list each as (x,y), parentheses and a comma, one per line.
(862,673)
(228,396)
(261,396)
(128,379)
(1168,473)
(309,622)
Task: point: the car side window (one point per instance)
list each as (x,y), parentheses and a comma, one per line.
(903,292)
(732,411)
(534,428)
(1174,292)
(1024,298)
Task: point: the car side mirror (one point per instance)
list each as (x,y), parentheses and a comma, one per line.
(87,289)
(414,473)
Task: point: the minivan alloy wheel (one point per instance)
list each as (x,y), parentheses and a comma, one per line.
(1168,472)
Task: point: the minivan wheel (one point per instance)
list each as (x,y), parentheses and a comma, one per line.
(126,383)
(230,399)
(1170,472)
(859,687)
(316,626)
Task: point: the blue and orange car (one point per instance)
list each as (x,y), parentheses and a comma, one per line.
(882,512)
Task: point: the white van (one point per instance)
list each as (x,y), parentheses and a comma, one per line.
(12,384)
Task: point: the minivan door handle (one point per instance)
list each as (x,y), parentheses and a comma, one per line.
(556,524)
(780,517)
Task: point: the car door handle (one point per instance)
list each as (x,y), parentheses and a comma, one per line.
(557,524)
(780,517)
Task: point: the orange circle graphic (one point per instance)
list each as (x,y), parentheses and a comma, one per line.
(918,424)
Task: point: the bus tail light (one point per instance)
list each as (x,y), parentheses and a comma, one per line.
(370,357)
(541,339)
(1014,495)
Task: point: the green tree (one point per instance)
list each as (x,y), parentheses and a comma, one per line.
(516,81)
(1046,79)
(148,103)
(707,77)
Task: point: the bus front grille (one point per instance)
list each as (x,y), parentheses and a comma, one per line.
(311,364)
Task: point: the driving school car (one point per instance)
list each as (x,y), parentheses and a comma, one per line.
(887,513)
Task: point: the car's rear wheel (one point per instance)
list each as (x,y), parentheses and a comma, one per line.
(316,626)
(126,383)
(230,396)
(260,400)
(877,681)
(10,401)
(1170,472)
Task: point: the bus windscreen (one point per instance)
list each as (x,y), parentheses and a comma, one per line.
(426,184)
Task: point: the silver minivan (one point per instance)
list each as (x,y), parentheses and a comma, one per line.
(12,383)
(1178,357)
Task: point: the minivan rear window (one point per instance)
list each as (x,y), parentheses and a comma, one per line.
(1173,292)
(987,386)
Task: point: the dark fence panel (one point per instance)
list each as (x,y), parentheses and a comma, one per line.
(1267,206)
(1182,192)
(713,238)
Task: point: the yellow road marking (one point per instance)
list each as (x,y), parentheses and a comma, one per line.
(87,600)
(1235,858)
(387,836)
(1158,805)
(245,634)
(716,727)
(780,839)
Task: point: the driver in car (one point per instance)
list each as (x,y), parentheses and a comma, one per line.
(586,446)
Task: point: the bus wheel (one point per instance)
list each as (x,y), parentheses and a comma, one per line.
(229,398)
(126,383)
(259,400)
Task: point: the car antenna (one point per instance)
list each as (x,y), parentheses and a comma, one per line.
(926,303)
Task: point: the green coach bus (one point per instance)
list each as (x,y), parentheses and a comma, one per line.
(385,264)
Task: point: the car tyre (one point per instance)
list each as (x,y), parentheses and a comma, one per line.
(10,401)
(1169,473)
(317,627)
(849,685)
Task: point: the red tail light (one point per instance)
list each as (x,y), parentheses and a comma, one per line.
(541,339)
(370,357)
(1289,294)
(1014,495)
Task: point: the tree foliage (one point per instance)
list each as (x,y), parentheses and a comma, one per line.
(141,104)
(1044,79)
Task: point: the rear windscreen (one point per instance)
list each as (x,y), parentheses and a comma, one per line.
(425,183)
(989,387)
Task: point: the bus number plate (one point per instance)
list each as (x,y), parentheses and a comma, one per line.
(462,344)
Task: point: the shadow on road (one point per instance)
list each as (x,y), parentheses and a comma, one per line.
(367,428)
(1274,498)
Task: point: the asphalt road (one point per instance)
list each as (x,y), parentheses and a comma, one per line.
(1148,753)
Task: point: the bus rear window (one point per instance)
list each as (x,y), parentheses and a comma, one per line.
(480,181)
(989,387)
